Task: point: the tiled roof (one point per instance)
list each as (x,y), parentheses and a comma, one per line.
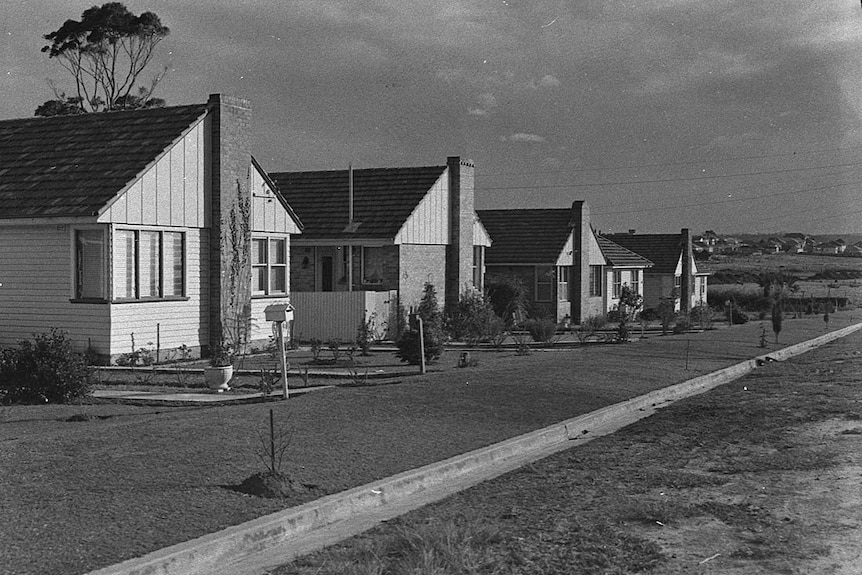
(663,250)
(620,256)
(383,199)
(529,236)
(73,165)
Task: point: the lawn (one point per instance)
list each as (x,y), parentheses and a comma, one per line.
(78,495)
(758,476)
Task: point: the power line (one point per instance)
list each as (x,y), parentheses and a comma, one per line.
(668,164)
(665,180)
(597,210)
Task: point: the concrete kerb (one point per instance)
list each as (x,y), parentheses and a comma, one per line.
(242,542)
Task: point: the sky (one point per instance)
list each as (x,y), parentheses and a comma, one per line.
(730,115)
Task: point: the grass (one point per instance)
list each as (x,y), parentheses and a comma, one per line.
(81,495)
(618,504)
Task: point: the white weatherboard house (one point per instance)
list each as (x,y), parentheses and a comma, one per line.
(148,228)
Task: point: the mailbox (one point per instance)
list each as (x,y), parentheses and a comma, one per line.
(279,312)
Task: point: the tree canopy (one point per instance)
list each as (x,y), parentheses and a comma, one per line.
(105,52)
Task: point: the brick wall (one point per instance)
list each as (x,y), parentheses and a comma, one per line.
(302,268)
(230,161)
(420,264)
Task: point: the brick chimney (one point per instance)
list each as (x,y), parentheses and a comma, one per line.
(687,280)
(459,252)
(579,283)
(229,139)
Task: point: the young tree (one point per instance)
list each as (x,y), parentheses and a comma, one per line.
(776,319)
(432,330)
(105,52)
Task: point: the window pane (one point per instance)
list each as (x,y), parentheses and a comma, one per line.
(90,261)
(124,264)
(279,275)
(173,264)
(258,280)
(148,264)
(258,252)
(277,252)
(372,265)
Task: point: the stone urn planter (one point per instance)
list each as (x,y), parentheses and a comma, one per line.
(218,378)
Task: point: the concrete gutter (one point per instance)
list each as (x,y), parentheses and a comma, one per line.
(274,539)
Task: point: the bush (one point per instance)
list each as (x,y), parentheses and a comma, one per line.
(507,295)
(432,329)
(541,330)
(682,325)
(472,318)
(44,370)
(594,323)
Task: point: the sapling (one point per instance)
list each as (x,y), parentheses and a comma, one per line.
(776,320)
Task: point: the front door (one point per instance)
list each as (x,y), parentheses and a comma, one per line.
(326,275)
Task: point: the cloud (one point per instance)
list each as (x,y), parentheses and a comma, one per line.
(546,81)
(487,105)
(522,137)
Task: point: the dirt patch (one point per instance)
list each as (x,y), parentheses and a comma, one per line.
(274,486)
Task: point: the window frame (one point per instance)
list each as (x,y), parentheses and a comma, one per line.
(161,263)
(269,266)
(548,272)
(563,278)
(104,274)
(363,259)
(596,280)
(635,281)
(617,284)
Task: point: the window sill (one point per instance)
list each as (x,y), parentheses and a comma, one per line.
(149,300)
(88,300)
(270,296)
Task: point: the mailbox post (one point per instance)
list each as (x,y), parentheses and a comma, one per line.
(279,314)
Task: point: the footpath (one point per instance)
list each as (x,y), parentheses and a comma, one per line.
(264,543)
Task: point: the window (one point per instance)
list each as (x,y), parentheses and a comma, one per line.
(618,283)
(268,266)
(478,266)
(372,265)
(544,283)
(89,264)
(677,282)
(595,281)
(636,281)
(563,283)
(148,264)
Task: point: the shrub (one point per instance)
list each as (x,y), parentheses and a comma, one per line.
(594,323)
(507,295)
(44,370)
(541,330)
(364,336)
(472,317)
(432,329)
(682,325)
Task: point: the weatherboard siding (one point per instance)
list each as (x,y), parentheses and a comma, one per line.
(168,323)
(429,221)
(267,212)
(168,193)
(36,273)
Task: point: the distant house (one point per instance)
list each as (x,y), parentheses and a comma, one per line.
(674,270)
(854,250)
(829,248)
(376,236)
(568,271)
(133,229)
